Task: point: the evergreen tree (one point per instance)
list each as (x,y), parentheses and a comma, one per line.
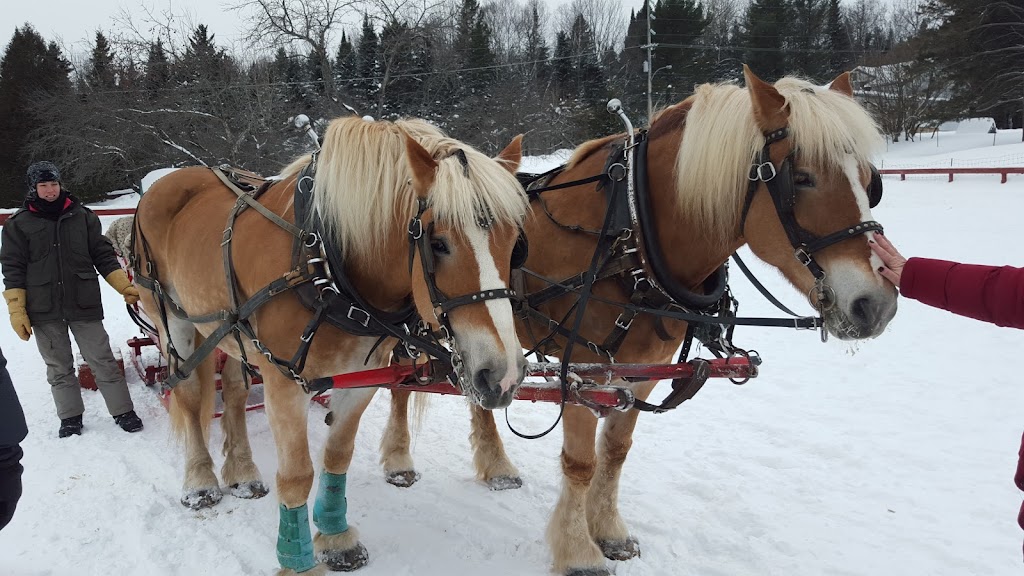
(837,40)
(473,49)
(289,72)
(158,69)
(409,61)
(368,64)
(679,24)
(536,49)
(315,73)
(763,37)
(807,40)
(634,71)
(100,73)
(562,68)
(345,60)
(978,45)
(203,61)
(29,67)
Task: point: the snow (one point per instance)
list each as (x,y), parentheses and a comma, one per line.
(153,176)
(891,456)
(976,125)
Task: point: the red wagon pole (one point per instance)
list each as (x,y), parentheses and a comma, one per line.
(592,383)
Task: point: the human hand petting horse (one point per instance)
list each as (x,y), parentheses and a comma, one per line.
(421,220)
(783,168)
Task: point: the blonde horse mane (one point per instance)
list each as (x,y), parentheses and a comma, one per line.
(721,138)
(363,182)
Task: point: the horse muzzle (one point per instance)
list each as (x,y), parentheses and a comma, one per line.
(493,383)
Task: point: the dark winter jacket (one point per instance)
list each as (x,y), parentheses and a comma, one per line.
(12,420)
(12,432)
(55,258)
(990,293)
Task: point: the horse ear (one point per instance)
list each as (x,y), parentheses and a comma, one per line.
(842,84)
(512,155)
(769,106)
(421,163)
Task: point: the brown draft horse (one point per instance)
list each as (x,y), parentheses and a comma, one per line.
(699,159)
(371,179)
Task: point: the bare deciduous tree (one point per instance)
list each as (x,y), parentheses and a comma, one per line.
(308,22)
(606,18)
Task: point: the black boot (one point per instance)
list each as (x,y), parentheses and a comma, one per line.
(70,426)
(129,421)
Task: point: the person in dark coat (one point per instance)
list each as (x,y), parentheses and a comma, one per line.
(993,294)
(12,431)
(51,250)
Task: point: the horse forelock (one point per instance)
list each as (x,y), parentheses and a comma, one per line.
(363,182)
(721,138)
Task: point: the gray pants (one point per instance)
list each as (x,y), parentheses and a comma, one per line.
(55,347)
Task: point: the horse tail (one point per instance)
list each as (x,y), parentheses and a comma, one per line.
(420,405)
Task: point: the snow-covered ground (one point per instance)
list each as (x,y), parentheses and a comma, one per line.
(889,457)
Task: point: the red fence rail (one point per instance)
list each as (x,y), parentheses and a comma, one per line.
(951,171)
(99,212)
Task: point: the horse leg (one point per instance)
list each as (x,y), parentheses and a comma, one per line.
(394,444)
(575,553)
(337,542)
(606,525)
(191,411)
(287,407)
(489,458)
(239,471)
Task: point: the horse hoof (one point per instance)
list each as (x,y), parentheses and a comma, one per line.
(402,479)
(589,572)
(505,483)
(344,560)
(202,498)
(250,490)
(620,549)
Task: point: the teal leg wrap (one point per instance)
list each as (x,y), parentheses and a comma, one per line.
(331,506)
(294,541)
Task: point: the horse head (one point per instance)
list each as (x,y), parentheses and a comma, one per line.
(470,213)
(802,156)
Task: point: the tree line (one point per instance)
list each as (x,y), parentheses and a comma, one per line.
(483,72)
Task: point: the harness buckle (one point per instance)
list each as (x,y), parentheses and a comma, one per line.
(766,172)
(366,315)
(312,239)
(803,256)
(626,325)
(416,228)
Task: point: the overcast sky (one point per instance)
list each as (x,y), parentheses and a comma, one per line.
(74,22)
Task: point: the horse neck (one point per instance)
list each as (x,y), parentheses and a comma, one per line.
(689,253)
(382,277)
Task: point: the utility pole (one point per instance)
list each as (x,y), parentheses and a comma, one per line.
(649,64)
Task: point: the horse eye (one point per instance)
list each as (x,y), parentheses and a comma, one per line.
(439,246)
(803,180)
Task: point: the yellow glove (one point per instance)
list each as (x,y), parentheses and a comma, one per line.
(120,282)
(19,317)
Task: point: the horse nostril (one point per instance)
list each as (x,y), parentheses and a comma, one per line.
(861,310)
(482,380)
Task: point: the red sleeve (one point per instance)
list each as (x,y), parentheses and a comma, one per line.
(990,293)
